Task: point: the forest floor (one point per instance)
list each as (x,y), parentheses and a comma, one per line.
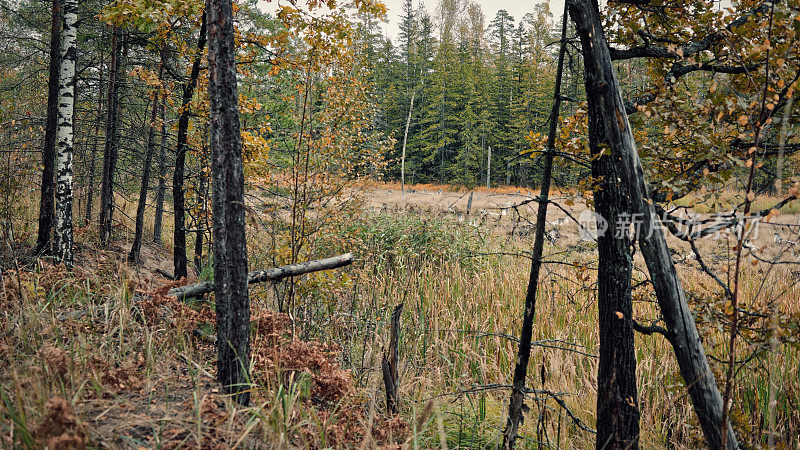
(103,357)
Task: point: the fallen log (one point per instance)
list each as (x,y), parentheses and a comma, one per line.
(274,275)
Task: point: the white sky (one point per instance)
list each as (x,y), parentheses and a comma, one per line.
(517,8)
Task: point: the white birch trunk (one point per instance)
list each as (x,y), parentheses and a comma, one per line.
(489,168)
(405,139)
(64,134)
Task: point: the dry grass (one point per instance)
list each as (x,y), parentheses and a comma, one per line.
(98,356)
(434,187)
(727,200)
(457,324)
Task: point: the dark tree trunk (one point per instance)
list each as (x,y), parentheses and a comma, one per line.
(96,139)
(202,192)
(133,256)
(516,402)
(230,245)
(610,121)
(110,151)
(617,399)
(87,217)
(391,378)
(179,233)
(162,174)
(46,205)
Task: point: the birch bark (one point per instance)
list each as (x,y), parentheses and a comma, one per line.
(64,135)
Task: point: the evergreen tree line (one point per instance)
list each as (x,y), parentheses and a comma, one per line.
(481,93)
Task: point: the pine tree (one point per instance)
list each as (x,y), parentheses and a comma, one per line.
(111,151)
(133,255)
(179,259)
(230,244)
(501,30)
(408,34)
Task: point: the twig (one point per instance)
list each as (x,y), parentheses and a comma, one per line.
(708,270)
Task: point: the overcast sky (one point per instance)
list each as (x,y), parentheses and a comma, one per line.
(517,8)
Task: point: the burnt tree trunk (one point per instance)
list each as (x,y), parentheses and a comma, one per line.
(611,122)
(617,399)
(46,204)
(229,242)
(179,233)
(133,255)
(391,378)
(516,402)
(110,150)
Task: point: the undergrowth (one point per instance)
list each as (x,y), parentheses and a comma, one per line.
(102,356)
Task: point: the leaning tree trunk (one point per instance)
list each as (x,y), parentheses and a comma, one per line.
(405,140)
(110,151)
(46,206)
(516,402)
(179,233)
(230,249)
(133,255)
(611,122)
(66,107)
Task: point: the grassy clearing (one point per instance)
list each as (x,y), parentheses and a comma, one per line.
(100,356)
(433,187)
(461,318)
(727,200)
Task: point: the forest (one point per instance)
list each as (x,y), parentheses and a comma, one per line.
(275,224)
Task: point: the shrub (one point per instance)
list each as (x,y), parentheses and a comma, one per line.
(406,241)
